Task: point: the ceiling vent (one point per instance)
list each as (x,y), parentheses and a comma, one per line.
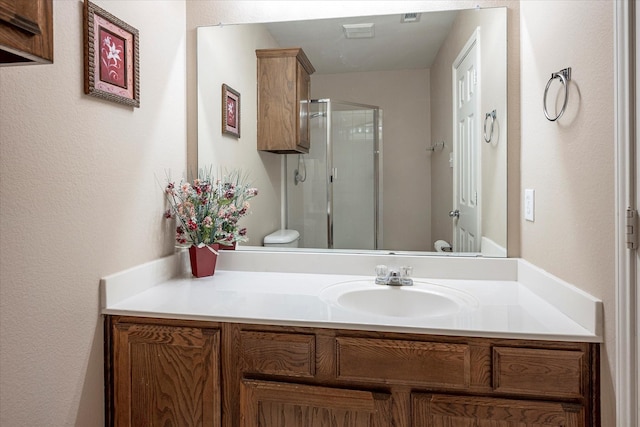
(358,31)
(410,17)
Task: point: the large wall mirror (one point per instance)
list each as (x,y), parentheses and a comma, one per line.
(408,131)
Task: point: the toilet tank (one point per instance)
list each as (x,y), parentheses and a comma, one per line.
(282,238)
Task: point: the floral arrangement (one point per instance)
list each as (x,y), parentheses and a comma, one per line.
(207,210)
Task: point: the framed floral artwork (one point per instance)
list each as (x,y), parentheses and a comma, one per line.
(230,111)
(111,57)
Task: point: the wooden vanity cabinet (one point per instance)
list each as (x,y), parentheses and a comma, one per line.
(284,95)
(301,376)
(420,380)
(162,373)
(26,32)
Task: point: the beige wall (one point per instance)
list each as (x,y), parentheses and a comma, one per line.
(570,163)
(227,55)
(403,97)
(493,53)
(80,198)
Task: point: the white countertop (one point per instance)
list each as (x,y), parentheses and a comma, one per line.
(521,302)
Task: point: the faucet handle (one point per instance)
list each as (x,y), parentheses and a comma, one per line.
(405,275)
(382,271)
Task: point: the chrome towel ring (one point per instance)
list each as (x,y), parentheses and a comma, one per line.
(437,146)
(565,77)
(493,121)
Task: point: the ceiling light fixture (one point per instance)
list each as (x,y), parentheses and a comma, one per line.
(358,31)
(410,17)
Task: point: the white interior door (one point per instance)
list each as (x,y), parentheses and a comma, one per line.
(466,149)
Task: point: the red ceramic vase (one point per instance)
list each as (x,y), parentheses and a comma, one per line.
(230,247)
(203,260)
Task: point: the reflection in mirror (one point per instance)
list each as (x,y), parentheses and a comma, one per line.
(399,159)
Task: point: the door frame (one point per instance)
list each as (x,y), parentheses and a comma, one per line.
(627,298)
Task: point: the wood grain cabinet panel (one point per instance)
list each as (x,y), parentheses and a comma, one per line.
(26,32)
(278,353)
(273,404)
(197,373)
(463,411)
(538,372)
(166,375)
(408,362)
(284,90)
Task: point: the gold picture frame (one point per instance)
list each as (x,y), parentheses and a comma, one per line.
(111,57)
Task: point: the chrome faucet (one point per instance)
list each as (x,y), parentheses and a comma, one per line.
(393,277)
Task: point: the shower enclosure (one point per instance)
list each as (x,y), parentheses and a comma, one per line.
(334,192)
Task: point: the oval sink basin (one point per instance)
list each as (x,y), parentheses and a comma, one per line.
(423,299)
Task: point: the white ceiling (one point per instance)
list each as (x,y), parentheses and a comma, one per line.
(396,46)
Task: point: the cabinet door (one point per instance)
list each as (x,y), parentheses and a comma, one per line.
(165,375)
(271,404)
(26,31)
(304,98)
(284,85)
(461,411)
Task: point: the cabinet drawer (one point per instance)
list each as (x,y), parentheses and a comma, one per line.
(444,410)
(403,362)
(538,372)
(278,353)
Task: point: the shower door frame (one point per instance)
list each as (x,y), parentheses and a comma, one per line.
(377,169)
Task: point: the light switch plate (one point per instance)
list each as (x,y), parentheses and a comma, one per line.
(529,205)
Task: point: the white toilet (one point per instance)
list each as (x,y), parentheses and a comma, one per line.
(282,239)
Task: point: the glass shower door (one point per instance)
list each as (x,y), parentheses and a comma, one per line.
(307,194)
(353,176)
(332,192)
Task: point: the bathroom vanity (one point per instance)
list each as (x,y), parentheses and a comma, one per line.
(231,374)
(272,348)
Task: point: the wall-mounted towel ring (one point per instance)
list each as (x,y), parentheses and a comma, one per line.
(565,77)
(436,146)
(493,121)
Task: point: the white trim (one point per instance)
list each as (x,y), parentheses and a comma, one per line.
(636,106)
(490,248)
(122,285)
(626,383)
(578,305)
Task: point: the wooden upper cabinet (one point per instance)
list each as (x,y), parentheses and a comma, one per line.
(284,91)
(26,32)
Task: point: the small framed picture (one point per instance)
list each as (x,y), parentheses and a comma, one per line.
(111,58)
(230,111)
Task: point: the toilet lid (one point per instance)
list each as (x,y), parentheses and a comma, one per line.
(282,236)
